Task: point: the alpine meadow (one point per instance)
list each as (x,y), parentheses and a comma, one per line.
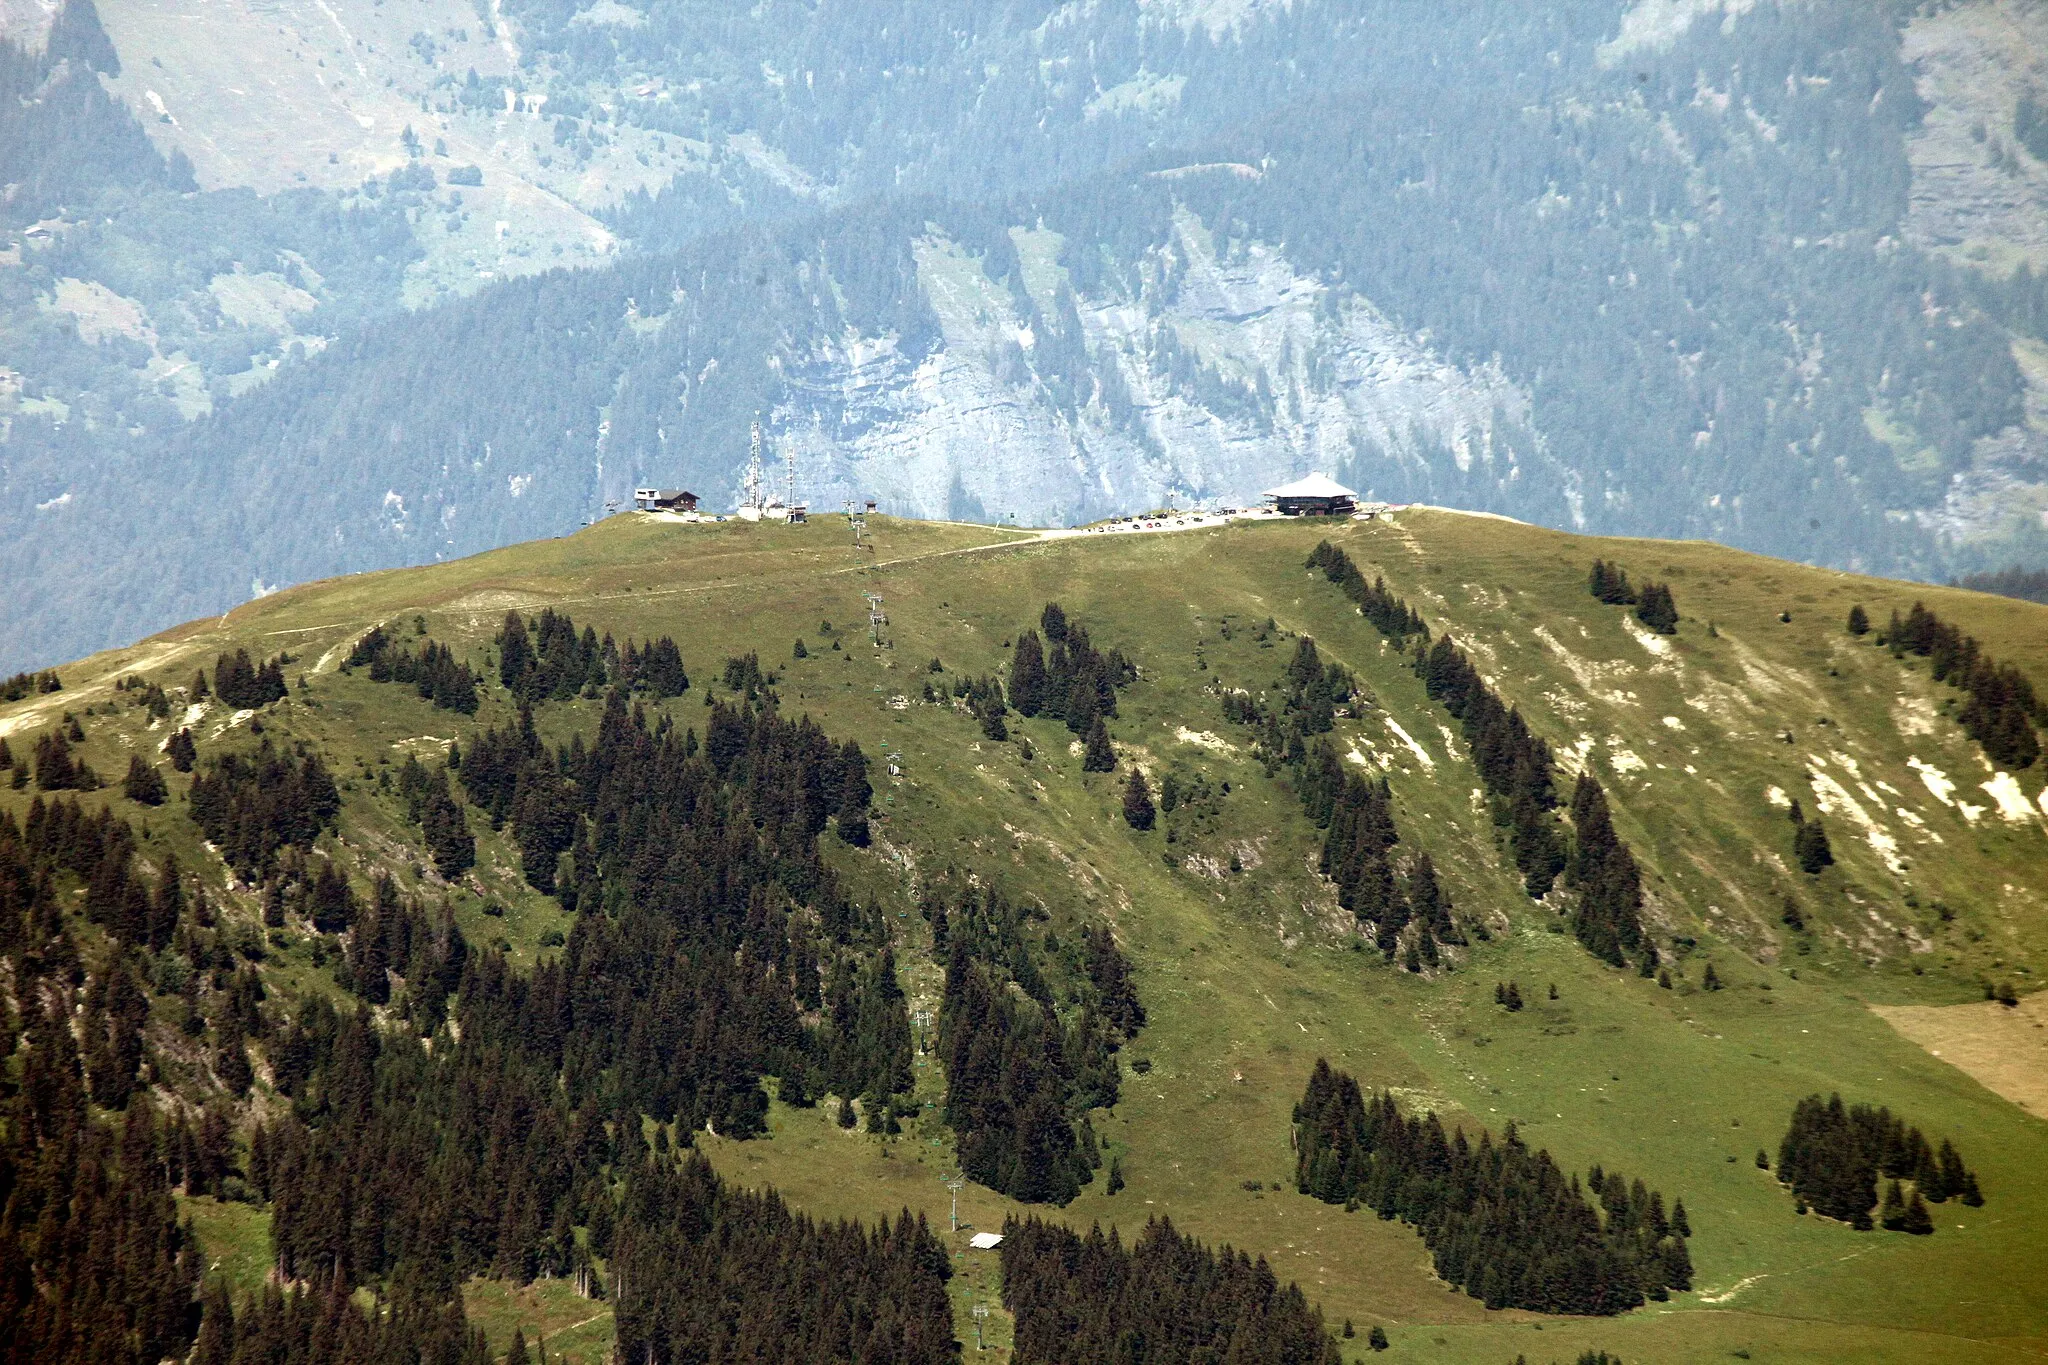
(1159,682)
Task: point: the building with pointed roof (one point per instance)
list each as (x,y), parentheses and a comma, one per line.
(1314,495)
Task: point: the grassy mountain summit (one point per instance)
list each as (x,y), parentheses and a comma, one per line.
(1248,968)
(1773,280)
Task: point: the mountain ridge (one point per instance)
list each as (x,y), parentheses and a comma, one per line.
(1246,963)
(1686,265)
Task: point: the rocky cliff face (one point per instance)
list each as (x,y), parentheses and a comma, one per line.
(1221,375)
(1980,197)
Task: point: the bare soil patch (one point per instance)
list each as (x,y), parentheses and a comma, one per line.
(2004,1050)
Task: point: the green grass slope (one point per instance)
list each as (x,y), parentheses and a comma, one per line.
(1251,974)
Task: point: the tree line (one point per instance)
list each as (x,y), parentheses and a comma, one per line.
(2028,585)
(1833,1155)
(1020,1078)
(1073,681)
(1654,605)
(704,1274)
(30,684)
(432,669)
(243,684)
(544,658)
(1311,691)
(1516,767)
(1082,1298)
(250,806)
(1504,1224)
(431,804)
(1354,811)
(57,769)
(2002,709)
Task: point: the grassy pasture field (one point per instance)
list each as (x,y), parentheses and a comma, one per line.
(1250,975)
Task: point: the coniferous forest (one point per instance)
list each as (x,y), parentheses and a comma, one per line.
(398,966)
(724,919)
(1080,1299)
(452,1116)
(407,1169)
(1065,676)
(1020,1079)
(1505,1224)
(1833,1156)
(2002,709)
(1518,771)
(433,669)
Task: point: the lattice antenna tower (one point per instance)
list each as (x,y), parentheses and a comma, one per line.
(751,488)
(789,473)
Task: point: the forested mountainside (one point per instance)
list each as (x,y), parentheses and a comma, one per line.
(1649,268)
(1297,939)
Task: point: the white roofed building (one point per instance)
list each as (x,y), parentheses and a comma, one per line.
(1314,495)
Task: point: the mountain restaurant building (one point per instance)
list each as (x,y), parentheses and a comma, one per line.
(1317,495)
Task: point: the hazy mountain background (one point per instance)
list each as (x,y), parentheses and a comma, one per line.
(314,286)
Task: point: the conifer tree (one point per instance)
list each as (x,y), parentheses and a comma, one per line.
(1657,610)
(855,795)
(1893,1215)
(231,1058)
(1504,1223)
(1097,756)
(1110,974)
(515,652)
(216,1341)
(1138,811)
(1609,583)
(144,785)
(1810,846)
(1027,675)
(1859,621)
(445,830)
(182,752)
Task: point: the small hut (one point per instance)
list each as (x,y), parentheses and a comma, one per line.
(664,500)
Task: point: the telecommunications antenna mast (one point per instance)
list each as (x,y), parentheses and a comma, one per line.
(751,488)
